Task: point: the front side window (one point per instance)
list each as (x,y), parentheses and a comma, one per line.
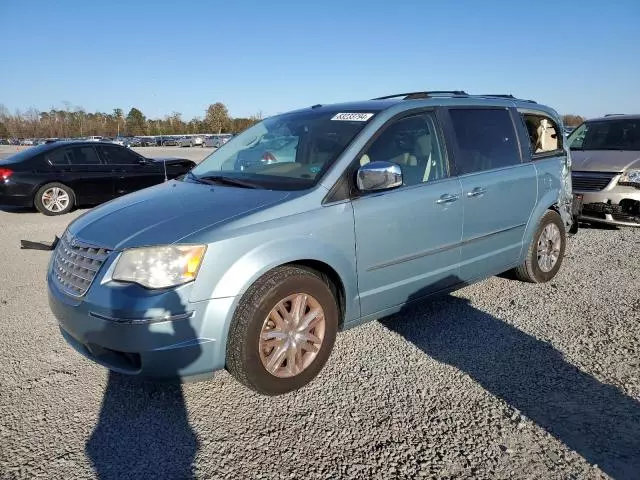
(288,152)
(486,139)
(620,134)
(412,143)
(118,156)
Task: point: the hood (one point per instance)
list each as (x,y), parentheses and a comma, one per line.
(604,160)
(166,213)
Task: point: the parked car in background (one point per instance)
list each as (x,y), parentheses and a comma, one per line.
(189,141)
(216,141)
(147,141)
(58,176)
(387,201)
(606,169)
(169,141)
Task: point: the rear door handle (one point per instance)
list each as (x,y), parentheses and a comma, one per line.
(447,198)
(477,192)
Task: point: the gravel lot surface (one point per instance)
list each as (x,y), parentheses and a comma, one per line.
(499,380)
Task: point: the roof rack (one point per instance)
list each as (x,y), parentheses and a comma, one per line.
(451,93)
(613,114)
(505,95)
(433,93)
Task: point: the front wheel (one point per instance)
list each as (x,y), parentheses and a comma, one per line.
(54,199)
(283,331)
(546,251)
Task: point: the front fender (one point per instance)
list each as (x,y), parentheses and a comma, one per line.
(248,250)
(244,272)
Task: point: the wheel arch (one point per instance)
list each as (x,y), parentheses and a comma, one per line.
(548,202)
(49,182)
(232,278)
(331,276)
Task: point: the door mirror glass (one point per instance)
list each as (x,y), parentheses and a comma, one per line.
(380,175)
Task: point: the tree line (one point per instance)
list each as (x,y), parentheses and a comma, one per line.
(572,120)
(77,122)
(71,122)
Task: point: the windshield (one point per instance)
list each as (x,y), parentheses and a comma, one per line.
(285,152)
(623,134)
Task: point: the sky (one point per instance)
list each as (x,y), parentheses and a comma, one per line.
(272,56)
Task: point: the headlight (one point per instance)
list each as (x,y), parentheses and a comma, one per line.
(160,267)
(630,177)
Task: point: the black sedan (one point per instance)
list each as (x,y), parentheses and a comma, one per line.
(57,177)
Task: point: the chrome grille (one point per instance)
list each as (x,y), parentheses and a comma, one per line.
(591,181)
(76,264)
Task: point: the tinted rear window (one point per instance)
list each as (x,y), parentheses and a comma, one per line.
(24,155)
(486,139)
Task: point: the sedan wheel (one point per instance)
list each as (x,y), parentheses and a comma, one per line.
(54,199)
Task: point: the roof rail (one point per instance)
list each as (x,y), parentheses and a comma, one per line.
(499,95)
(450,93)
(613,114)
(411,95)
(505,95)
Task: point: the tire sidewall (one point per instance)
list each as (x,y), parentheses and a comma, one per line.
(548,218)
(40,205)
(256,373)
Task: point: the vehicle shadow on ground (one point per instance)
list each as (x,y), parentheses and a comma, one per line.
(596,420)
(143,429)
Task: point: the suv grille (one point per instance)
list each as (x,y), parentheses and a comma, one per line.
(591,181)
(76,264)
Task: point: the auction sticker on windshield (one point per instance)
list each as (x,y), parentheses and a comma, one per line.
(353,117)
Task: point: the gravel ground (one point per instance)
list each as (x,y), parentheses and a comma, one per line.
(499,380)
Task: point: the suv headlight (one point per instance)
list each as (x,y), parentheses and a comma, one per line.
(630,177)
(160,267)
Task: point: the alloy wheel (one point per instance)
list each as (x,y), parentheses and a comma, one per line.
(292,335)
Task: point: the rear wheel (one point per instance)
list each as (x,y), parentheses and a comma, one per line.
(546,251)
(54,199)
(283,331)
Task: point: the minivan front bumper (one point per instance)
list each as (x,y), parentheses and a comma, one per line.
(617,206)
(189,345)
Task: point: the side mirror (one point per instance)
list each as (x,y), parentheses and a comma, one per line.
(143,161)
(375,176)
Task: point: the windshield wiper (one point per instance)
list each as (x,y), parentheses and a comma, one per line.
(221,179)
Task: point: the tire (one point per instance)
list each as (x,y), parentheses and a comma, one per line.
(66,199)
(534,269)
(247,358)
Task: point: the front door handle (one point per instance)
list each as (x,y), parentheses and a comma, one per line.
(447,198)
(477,192)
